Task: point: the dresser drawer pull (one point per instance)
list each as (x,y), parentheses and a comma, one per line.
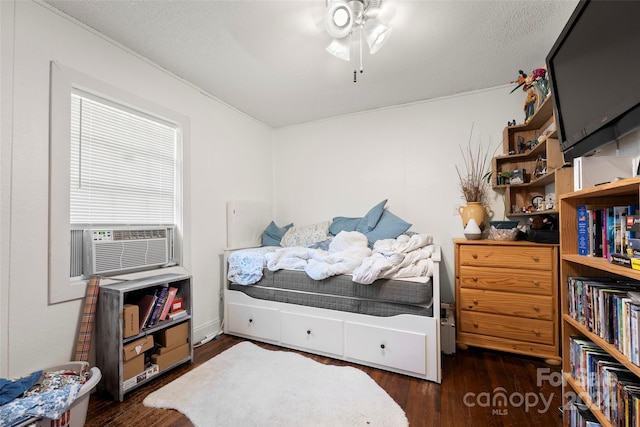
(536,282)
(475,324)
(536,259)
(250,320)
(537,332)
(536,308)
(475,301)
(475,279)
(308,331)
(474,256)
(382,346)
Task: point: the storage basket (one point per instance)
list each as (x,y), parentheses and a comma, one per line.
(76,415)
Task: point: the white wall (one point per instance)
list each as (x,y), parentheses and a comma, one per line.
(408,154)
(34,334)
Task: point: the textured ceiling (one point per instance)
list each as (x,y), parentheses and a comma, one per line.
(268,59)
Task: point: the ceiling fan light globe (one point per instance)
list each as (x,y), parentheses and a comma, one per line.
(338,19)
(377,37)
(340,48)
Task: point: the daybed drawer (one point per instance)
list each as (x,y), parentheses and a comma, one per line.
(532,306)
(529,258)
(253,321)
(311,332)
(509,280)
(531,330)
(393,348)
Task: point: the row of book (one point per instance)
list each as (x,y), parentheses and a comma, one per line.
(610,309)
(606,231)
(612,388)
(164,303)
(580,416)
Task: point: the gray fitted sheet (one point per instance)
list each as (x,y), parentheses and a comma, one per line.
(385,297)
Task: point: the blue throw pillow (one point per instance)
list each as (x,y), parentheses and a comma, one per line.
(389,227)
(272,235)
(372,217)
(341,223)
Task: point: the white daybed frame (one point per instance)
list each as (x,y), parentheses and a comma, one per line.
(406,344)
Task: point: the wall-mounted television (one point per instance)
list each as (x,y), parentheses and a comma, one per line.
(594,73)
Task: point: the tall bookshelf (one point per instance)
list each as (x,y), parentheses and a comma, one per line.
(623,192)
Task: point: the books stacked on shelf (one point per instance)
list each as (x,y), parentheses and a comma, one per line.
(611,387)
(610,232)
(580,416)
(609,309)
(175,315)
(155,307)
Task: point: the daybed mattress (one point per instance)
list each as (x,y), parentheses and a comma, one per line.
(384,297)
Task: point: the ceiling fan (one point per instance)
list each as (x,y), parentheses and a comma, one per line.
(352,21)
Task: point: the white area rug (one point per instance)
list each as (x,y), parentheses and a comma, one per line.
(247,385)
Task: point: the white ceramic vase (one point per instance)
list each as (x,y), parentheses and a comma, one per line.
(472,230)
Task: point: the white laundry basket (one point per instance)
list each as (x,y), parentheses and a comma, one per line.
(76,415)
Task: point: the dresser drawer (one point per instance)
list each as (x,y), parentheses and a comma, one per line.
(531,330)
(387,347)
(311,332)
(525,257)
(530,306)
(539,282)
(257,322)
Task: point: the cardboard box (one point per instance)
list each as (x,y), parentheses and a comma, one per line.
(171,357)
(130,320)
(148,373)
(132,367)
(137,347)
(174,336)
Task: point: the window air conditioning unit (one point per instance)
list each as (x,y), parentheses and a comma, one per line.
(112,250)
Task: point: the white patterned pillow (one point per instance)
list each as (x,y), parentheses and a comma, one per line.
(306,235)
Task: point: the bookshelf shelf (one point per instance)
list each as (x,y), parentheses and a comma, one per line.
(123,371)
(623,192)
(541,130)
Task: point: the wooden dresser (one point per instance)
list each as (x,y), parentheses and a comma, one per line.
(507,297)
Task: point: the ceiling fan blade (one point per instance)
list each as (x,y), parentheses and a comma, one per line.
(316,15)
(383,13)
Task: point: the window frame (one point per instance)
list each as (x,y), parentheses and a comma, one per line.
(63,81)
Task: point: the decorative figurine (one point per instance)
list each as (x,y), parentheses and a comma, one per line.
(529,105)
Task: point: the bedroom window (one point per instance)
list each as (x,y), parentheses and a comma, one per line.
(123,165)
(116,162)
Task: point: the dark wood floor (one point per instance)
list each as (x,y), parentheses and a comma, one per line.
(472,383)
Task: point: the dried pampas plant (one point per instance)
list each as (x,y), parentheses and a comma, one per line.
(473,180)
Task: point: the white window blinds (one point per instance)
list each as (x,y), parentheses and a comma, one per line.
(123,165)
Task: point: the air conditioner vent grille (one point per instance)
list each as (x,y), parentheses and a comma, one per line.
(139,234)
(111,251)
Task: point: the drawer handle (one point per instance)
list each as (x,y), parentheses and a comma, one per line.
(536,259)
(250,320)
(475,279)
(308,331)
(475,324)
(475,301)
(537,332)
(382,346)
(536,282)
(536,308)
(474,256)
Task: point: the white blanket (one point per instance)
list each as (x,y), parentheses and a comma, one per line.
(346,252)
(406,256)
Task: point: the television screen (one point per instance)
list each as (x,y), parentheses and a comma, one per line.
(594,71)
